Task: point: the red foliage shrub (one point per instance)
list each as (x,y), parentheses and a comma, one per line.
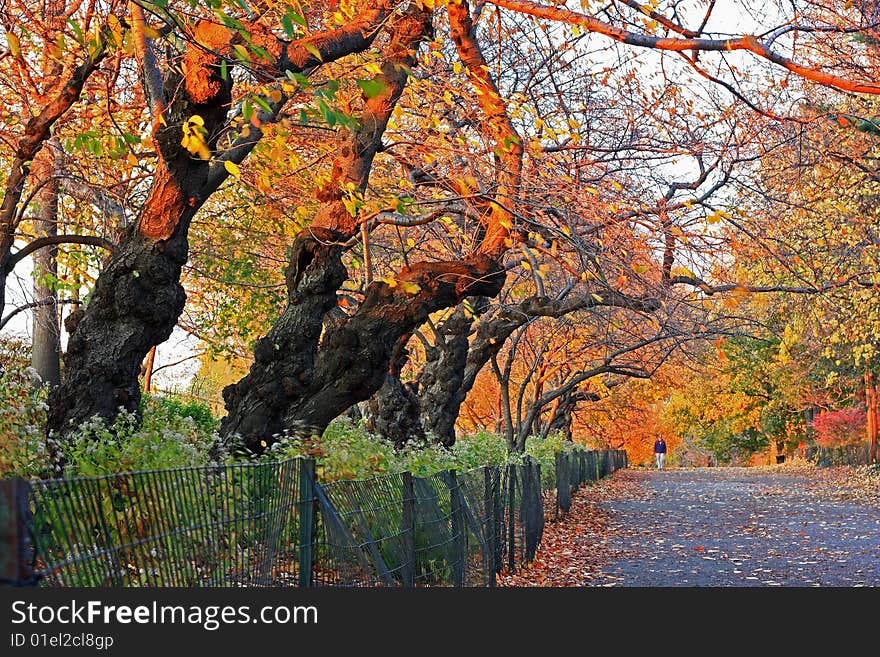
(842,427)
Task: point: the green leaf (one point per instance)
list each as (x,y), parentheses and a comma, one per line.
(77,30)
(371,88)
(263,103)
(287,26)
(298,19)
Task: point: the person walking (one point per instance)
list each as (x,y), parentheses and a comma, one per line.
(660,451)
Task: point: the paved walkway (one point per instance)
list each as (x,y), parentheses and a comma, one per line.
(740,527)
(715,527)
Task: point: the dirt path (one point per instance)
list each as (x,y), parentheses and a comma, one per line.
(786,526)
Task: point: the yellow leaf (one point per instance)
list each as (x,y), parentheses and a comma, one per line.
(115,29)
(14,45)
(456,67)
(194,137)
(232,168)
(151,33)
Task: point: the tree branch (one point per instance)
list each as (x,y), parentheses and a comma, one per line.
(51,240)
(37,304)
(747,42)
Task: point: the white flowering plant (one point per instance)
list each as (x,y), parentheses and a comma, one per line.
(22,417)
(164,438)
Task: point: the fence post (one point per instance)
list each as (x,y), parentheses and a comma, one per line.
(491,536)
(459,527)
(498,514)
(531,507)
(408,532)
(16,551)
(511,517)
(563,484)
(306,505)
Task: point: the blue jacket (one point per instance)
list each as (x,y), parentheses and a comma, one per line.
(660,447)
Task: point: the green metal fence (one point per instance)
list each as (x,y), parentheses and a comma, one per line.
(275,524)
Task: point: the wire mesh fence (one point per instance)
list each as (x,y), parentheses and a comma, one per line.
(274,524)
(576,467)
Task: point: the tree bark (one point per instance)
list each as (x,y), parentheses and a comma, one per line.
(285,357)
(148,366)
(871,403)
(46,341)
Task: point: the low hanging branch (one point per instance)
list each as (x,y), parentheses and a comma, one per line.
(748,43)
(454,364)
(37,304)
(52,240)
(710,290)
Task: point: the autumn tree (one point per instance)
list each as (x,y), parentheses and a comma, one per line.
(224,75)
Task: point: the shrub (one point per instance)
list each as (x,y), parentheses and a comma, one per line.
(426,459)
(22,418)
(478,449)
(348,451)
(164,439)
(199,412)
(543,450)
(344,451)
(841,427)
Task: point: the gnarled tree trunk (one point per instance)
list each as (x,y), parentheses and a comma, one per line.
(352,360)
(393,412)
(138,296)
(297,385)
(442,381)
